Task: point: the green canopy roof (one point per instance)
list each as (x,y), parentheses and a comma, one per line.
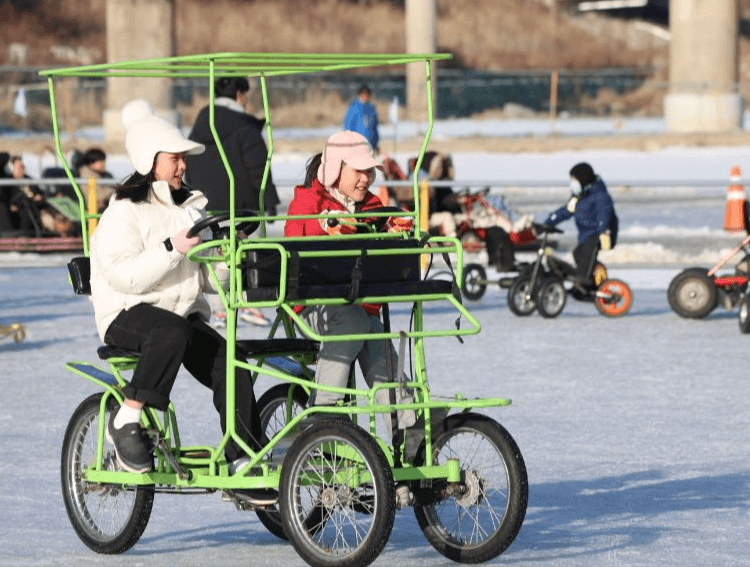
(243,64)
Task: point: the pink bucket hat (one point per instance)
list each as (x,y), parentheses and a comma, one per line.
(347,147)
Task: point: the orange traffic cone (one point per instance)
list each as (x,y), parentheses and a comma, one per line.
(734,213)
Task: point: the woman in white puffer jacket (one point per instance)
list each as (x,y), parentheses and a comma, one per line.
(147,295)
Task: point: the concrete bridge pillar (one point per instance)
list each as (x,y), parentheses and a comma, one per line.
(703,67)
(138,29)
(421,32)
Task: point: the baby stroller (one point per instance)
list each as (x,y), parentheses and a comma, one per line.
(480,211)
(465,214)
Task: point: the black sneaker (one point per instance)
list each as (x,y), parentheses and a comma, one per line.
(131,447)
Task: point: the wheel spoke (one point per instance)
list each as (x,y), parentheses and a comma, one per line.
(336,474)
(107,518)
(477,518)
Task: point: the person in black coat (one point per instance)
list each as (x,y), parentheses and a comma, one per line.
(19,204)
(243,144)
(246,151)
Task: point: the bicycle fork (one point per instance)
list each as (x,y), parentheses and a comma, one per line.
(535,273)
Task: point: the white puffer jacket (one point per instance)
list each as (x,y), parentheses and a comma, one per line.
(130,263)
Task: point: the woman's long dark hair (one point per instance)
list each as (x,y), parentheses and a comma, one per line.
(311,169)
(136,187)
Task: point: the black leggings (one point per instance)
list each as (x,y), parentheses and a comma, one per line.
(165,341)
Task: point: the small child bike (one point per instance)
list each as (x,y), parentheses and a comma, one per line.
(542,286)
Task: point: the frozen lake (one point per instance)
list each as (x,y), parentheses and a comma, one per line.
(634,430)
(634,433)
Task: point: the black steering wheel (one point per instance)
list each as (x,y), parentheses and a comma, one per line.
(212,222)
(379,222)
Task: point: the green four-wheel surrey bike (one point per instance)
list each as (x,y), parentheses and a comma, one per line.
(336,480)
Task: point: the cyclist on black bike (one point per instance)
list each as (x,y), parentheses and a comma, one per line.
(595,217)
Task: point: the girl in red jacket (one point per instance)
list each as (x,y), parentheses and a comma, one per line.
(338,180)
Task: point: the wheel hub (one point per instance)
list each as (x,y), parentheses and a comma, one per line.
(472,491)
(694,294)
(332,497)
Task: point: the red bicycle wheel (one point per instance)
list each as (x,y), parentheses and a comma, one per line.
(613,298)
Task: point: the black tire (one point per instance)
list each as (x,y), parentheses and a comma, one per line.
(474,282)
(481,519)
(551,298)
(744,314)
(272,408)
(692,294)
(109,519)
(320,472)
(521,300)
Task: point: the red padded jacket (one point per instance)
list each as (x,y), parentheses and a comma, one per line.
(314,200)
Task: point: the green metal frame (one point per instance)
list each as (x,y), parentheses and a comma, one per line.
(210,471)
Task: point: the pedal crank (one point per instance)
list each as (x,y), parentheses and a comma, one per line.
(161,443)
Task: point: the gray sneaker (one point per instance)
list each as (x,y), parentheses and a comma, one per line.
(253,496)
(131,448)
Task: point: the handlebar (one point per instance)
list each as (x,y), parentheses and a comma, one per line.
(546,229)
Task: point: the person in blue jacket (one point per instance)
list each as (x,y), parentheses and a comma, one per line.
(362,117)
(594,212)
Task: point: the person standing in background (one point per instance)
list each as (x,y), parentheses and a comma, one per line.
(94,164)
(362,117)
(246,151)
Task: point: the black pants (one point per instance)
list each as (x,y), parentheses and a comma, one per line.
(585,256)
(499,248)
(165,341)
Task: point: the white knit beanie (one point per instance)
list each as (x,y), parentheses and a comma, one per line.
(147,134)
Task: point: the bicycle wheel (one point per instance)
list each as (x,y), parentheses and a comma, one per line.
(274,410)
(337,468)
(613,298)
(108,518)
(477,519)
(550,301)
(744,314)
(692,293)
(520,297)
(474,282)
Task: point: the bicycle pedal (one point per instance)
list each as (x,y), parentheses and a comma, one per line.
(172,460)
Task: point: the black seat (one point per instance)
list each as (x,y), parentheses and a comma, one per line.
(350,277)
(277,347)
(250,348)
(109,351)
